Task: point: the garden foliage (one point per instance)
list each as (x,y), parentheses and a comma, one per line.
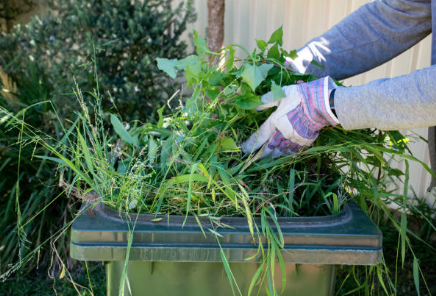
(128,36)
(189,161)
(73,41)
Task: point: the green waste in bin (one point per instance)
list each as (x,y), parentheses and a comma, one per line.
(168,259)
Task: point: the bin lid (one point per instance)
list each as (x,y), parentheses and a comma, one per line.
(102,234)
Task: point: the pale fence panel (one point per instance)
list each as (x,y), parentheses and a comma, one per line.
(302,20)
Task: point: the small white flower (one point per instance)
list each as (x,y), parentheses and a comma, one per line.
(51,38)
(136,89)
(127,41)
(31,58)
(114,35)
(127,126)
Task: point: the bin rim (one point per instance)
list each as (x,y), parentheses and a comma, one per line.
(349,237)
(108,212)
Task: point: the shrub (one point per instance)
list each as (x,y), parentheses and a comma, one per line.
(123,37)
(117,41)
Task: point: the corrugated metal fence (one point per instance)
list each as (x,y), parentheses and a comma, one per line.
(247,20)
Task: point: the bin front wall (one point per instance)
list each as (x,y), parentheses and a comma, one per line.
(346,238)
(210,278)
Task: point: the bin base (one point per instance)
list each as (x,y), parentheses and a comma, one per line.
(209,278)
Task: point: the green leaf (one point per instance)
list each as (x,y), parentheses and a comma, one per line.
(246,89)
(189,178)
(166,152)
(227,184)
(261,44)
(277,91)
(381,281)
(403,231)
(168,66)
(254,75)
(227,269)
(160,122)
(200,44)
(255,277)
(122,132)
(293,54)
(283,269)
(247,103)
(277,36)
(291,188)
(201,226)
(152,150)
(212,93)
(122,168)
(192,66)
(228,145)
(317,64)
(216,78)
(62,275)
(244,198)
(88,159)
(230,59)
(395,172)
(335,203)
(273,52)
(416,274)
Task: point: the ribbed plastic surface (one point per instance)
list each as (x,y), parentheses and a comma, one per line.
(347,238)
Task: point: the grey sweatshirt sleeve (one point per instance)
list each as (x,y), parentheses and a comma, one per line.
(372,35)
(403,102)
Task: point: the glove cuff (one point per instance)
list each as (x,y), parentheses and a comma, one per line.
(314,97)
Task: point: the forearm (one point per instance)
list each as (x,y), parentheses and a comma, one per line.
(403,102)
(372,35)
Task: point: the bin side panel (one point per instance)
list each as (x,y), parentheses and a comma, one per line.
(202,278)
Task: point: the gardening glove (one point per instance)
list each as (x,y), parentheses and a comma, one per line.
(297,121)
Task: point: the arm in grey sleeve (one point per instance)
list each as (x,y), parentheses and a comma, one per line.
(402,102)
(372,35)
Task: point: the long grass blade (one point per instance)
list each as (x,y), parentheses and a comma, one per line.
(244,199)
(416,274)
(188,202)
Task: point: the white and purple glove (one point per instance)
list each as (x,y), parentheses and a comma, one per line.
(297,121)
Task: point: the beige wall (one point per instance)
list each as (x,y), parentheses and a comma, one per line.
(247,20)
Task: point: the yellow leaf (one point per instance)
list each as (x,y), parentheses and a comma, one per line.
(62,275)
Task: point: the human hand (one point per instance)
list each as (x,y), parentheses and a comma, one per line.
(297,121)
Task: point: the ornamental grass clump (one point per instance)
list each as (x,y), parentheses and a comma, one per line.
(190,162)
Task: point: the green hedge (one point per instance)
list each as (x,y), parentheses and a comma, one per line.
(123,37)
(75,41)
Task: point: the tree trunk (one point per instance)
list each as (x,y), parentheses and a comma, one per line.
(215,24)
